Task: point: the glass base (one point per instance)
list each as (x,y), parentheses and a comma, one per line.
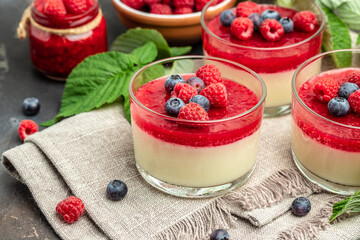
(189,192)
(323,183)
(277,111)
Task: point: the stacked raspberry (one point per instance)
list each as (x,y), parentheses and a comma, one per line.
(168,6)
(193,98)
(62,8)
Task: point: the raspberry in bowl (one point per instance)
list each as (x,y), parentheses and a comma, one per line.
(269,38)
(195,123)
(326,122)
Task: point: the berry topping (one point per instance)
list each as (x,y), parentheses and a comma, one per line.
(244,9)
(71,209)
(271,30)
(183,10)
(270,14)
(256,20)
(193,111)
(159,8)
(31,106)
(76,6)
(168,2)
(202,101)
(242,28)
(227,17)
(305,21)
(184,3)
(184,91)
(173,106)
(171,81)
(39,5)
(116,190)
(200,4)
(346,89)
(209,73)
(151,2)
(196,83)
(54,8)
(26,128)
(219,234)
(338,106)
(135,4)
(216,93)
(326,89)
(287,24)
(301,206)
(354,101)
(354,77)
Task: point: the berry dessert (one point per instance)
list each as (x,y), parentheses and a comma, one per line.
(63,33)
(269,39)
(196,130)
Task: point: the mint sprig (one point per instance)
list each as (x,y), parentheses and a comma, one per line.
(358,40)
(348,205)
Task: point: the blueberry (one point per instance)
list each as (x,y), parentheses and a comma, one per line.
(256,19)
(346,89)
(301,206)
(173,106)
(116,190)
(31,106)
(196,83)
(202,101)
(270,14)
(171,81)
(338,106)
(219,234)
(226,17)
(287,24)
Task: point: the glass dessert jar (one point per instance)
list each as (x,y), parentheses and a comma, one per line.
(325,147)
(276,61)
(190,158)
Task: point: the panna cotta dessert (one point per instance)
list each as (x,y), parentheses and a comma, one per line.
(326,125)
(271,39)
(196,130)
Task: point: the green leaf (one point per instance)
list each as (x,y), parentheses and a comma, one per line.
(333,4)
(349,13)
(350,205)
(181,66)
(358,40)
(178,51)
(145,54)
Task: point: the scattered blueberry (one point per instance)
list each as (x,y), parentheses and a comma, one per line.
(171,81)
(338,106)
(256,19)
(116,190)
(219,234)
(287,24)
(270,14)
(202,101)
(346,89)
(227,17)
(301,206)
(31,106)
(196,83)
(173,106)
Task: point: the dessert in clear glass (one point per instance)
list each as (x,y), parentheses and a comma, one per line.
(326,121)
(202,157)
(275,60)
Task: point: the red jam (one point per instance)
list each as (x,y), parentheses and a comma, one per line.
(56,55)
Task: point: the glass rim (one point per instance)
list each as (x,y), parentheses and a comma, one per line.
(321,28)
(301,67)
(175,119)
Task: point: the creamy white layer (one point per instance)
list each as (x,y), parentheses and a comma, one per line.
(194,166)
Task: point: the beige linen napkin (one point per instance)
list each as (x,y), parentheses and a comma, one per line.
(81,154)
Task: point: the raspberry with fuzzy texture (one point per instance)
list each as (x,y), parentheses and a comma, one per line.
(305,21)
(354,77)
(71,209)
(135,4)
(39,5)
(271,30)
(183,3)
(245,9)
(159,8)
(183,91)
(54,8)
(26,128)
(193,111)
(216,93)
(151,2)
(326,89)
(183,10)
(354,101)
(200,4)
(209,73)
(242,28)
(76,6)
(167,2)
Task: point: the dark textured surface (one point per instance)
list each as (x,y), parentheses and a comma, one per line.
(20,217)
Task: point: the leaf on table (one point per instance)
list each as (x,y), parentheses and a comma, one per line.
(181,66)
(358,40)
(348,205)
(178,51)
(144,54)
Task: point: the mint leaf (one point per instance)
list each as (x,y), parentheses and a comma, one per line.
(358,40)
(350,204)
(332,4)
(178,51)
(349,13)
(181,66)
(145,54)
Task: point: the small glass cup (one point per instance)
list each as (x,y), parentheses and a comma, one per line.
(275,65)
(325,151)
(195,158)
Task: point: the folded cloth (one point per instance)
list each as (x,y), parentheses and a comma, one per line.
(82,154)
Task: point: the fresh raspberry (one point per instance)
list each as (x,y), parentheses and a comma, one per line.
(354,101)
(167,2)
(76,6)
(159,8)
(151,2)
(193,111)
(135,4)
(71,209)
(183,91)
(26,128)
(55,8)
(39,5)
(183,10)
(209,73)
(326,89)
(245,9)
(271,30)
(242,28)
(216,93)
(354,77)
(305,21)
(90,3)
(184,3)
(200,4)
